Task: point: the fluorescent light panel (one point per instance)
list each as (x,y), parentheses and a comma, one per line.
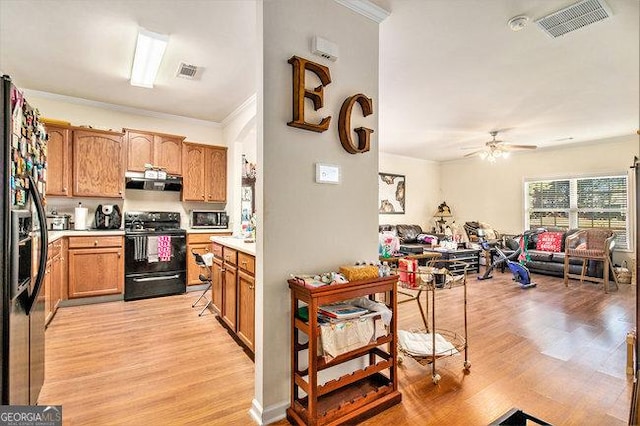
(150,48)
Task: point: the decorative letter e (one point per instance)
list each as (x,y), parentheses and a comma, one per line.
(300,92)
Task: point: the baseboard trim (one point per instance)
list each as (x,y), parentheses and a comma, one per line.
(269,415)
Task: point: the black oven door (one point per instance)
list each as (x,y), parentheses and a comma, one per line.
(138,259)
(143,286)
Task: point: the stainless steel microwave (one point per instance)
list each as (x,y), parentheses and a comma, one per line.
(205,219)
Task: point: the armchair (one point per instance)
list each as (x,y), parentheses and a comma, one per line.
(594,244)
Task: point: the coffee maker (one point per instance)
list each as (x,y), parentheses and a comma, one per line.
(108,216)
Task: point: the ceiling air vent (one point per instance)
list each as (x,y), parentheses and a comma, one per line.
(574,17)
(187,71)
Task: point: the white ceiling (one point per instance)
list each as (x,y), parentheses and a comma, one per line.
(450,70)
(84,49)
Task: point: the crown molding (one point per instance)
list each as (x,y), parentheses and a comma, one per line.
(120,108)
(236,112)
(367,9)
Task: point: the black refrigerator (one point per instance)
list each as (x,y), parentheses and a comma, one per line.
(23,246)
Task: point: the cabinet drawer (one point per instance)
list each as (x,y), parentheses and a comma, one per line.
(247,262)
(199,238)
(96,241)
(217,250)
(229,255)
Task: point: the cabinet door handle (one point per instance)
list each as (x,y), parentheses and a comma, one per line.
(251,287)
(207,250)
(64,189)
(95,243)
(119,254)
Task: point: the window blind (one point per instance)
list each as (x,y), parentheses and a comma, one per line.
(549,203)
(584,202)
(602,203)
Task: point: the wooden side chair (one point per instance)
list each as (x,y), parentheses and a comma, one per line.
(590,244)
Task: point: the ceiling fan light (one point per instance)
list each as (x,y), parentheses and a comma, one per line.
(484,155)
(505,154)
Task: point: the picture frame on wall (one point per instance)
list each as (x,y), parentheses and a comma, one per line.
(391,193)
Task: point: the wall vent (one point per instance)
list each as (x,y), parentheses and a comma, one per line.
(574,17)
(187,71)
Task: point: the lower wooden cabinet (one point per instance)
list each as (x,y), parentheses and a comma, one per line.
(233,291)
(54,278)
(87,256)
(217,277)
(201,244)
(229,294)
(198,243)
(246,308)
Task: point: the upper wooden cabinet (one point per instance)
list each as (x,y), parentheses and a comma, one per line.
(205,173)
(169,153)
(158,149)
(98,158)
(216,179)
(58,160)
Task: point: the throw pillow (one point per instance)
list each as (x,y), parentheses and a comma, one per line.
(550,241)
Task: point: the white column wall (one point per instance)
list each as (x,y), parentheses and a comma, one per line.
(304,226)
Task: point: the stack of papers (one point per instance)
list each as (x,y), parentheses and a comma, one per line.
(342,311)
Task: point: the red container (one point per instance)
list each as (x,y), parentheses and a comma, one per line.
(407,269)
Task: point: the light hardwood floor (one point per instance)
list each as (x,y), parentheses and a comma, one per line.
(556,353)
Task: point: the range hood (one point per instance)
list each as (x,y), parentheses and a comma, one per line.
(138,181)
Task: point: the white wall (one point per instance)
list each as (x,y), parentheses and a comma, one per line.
(240,136)
(304,226)
(493,193)
(80,112)
(422,189)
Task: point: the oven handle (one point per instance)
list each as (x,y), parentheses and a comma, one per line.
(140,280)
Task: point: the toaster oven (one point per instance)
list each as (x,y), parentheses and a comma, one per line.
(209,219)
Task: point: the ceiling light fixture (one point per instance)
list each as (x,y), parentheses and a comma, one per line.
(150,49)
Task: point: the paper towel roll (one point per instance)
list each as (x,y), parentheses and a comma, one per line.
(80,219)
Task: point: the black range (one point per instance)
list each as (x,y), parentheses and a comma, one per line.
(155,255)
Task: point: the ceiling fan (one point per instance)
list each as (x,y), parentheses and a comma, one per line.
(495,149)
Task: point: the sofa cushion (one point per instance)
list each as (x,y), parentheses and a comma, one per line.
(533,239)
(550,241)
(408,233)
(540,256)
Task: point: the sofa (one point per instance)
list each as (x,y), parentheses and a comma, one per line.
(412,238)
(546,252)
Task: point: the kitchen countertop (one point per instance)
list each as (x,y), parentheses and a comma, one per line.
(208,231)
(237,244)
(56,235)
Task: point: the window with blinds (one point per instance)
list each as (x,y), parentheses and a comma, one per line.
(585,202)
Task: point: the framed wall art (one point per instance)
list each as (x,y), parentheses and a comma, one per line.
(391,193)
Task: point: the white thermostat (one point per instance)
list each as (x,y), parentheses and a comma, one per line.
(327,173)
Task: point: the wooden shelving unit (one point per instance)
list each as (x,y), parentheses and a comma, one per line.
(354,396)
